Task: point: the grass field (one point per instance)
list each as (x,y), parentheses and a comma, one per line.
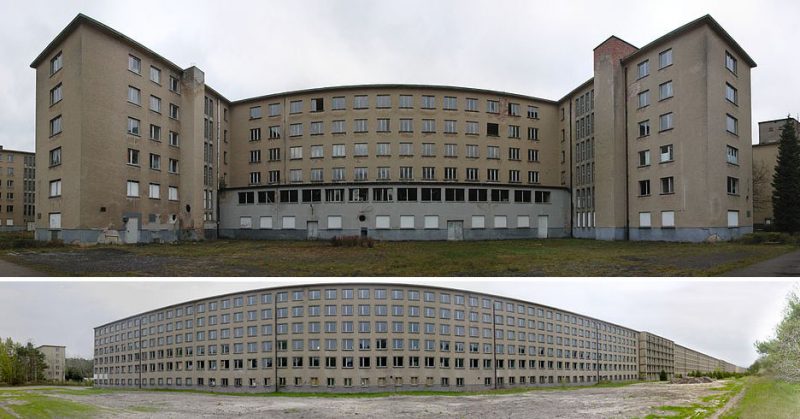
(552,257)
(767,398)
(705,407)
(36,404)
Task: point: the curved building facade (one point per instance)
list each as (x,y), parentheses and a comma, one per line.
(394,162)
(361,337)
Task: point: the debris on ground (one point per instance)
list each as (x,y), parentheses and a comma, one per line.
(691,380)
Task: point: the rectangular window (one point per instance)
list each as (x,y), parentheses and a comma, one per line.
(338,103)
(295,153)
(513,109)
(731,94)
(667,185)
(360,125)
(155,75)
(174,111)
(733,155)
(644,128)
(667,219)
(274,109)
(55,188)
(295,175)
(533,112)
(337,174)
(134,95)
(492,152)
(406,194)
(450,103)
(406,125)
(384,173)
(665,90)
(428,173)
(383,149)
(665,122)
(133,126)
(55,95)
(492,175)
(173,193)
(665,58)
(471,128)
(316,175)
(733,218)
(406,173)
(478,221)
(406,101)
(733,186)
(174,139)
(406,149)
(666,153)
(644,187)
(155,191)
(134,64)
(472,151)
(428,126)
(513,153)
(472,174)
(360,102)
(643,68)
(255,112)
(317,105)
(730,62)
(155,161)
(513,176)
(295,130)
(428,150)
(644,98)
(255,134)
(133,157)
(174,84)
(492,129)
(471,105)
(383,125)
(513,131)
(533,133)
(155,132)
(55,156)
(133,188)
(56,63)
(255,178)
(173,166)
(274,132)
(492,106)
(274,154)
(644,220)
(295,106)
(360,174)
(428,102)
(731,124)
(383,101)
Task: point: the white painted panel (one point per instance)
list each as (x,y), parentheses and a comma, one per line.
(288,222)
(431,221)
(644,219)
(500,221)
(334,222)
(523,221)
(383,221)
(406,221)
(265,222)
(478,221)
(245,222)
(733,218)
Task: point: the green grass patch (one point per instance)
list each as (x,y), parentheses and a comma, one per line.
(32,404)
(705,408)
(551,257)
(767,398)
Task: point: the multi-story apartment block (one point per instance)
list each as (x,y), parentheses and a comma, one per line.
(55,358)
(637,152)
(656,354)
(17,190)
(765,158)
(367,337)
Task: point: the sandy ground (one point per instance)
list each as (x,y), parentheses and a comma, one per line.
(635,400)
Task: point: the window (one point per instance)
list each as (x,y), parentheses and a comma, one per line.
(492,106)
(533,176)
(667,219)
(155,191)
(174,139)
(255,112)
(513,153)
(55,156)
(255,156)
(666,153)
(295,106)
(533,133)
(255,178)
(733,186)
(406,101)
(56,63)
(360,125)
(667,185)
(492,129)
(295,153)
(492,152)
(406,221)
(513,176)
(733,155)
(133,188)
(155,75)
(513,131)
(731,94)
(643,68)
(471,128)
(174,84)
(383,173)
(134,95)
(337,174)
(288,222)
(317,105)
(173,166)
(406,173)
(731,124)
(472,151)
(472,174)
(383,125)
(155,132)
(478,221)
(450,173)
(406,149)
(733,218)
(644,187)
(295,130)
(644,158)
(665,90)
(173,111)
(55,95)
(133,157)
(644,98)
(295,175)
(428,102)
(382,221)
(133,126)
(428,173)
(665,122)
(450,103)
(644,220)
(155,161)
(730,62)
(428,150)
(644,128)
(533,112)
(665,59)
(337,103)
(317,175)
(55,188)
(492,175)
(173,193)
(255,134)
(134,64)
(274,154)
(360,174)
(383,101)
(274,177)
(360,102)
(406,125)
(428,126)
(513,109)
(274,109)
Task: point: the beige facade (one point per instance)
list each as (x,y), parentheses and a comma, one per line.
(149,145)
(369,337)
(17,189)
(55,358)
(765,157)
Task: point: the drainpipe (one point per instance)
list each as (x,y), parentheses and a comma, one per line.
(627,169)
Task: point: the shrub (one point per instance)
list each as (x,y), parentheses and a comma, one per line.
(662,376)
(352,241)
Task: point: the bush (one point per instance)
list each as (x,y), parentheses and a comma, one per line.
(662,376)
(770,238)
(352,241)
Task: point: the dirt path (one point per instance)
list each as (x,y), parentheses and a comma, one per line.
(8,269)
(635,400)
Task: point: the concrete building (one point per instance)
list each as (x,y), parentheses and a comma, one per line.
(367,337)
(765,158)
(636,152)
(17,190)
(55,358)
(656,354)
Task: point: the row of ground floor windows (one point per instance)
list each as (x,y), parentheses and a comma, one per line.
(404,194)
(363,381)
(334,222)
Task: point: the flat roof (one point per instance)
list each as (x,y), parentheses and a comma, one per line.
(2,150)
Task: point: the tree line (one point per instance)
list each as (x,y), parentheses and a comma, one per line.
(780,356)
(20,364)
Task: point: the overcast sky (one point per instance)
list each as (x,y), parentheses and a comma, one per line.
(251,48)
(719,318)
